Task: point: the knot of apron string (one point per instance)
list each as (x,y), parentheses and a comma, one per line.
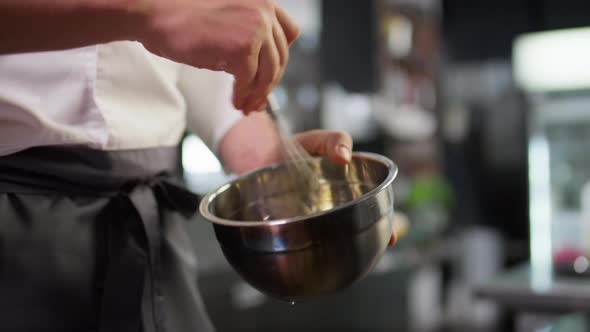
(129,270)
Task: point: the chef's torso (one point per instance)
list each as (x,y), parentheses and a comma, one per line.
(114,96)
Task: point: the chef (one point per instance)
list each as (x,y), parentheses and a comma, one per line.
(95,96)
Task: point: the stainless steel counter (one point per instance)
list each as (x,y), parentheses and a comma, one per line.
(521,289)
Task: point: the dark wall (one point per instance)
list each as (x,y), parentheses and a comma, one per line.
(480,30)
(350,44)
(472,31)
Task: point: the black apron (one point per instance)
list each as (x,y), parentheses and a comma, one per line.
(95,241)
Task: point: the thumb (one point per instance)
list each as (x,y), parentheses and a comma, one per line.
(333,144)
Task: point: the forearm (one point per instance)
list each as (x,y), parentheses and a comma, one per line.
(251,143)
(43,25)
(249,39)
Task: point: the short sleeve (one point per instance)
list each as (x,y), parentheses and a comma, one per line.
(208,96)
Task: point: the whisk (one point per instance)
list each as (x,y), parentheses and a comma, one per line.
(297,157)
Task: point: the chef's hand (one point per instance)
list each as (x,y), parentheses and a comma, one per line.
(336,145)
(247,38)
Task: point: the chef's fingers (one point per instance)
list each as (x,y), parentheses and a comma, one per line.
(245,77)
(282,47)
(283,50)
(290,28)
(336,145)
(273,59)
(269,67)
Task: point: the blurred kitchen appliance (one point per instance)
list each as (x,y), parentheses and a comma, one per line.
(553,68)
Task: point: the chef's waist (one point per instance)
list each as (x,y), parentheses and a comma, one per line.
(84,171)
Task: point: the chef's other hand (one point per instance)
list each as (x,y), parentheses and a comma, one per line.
(336,145)
(249,39)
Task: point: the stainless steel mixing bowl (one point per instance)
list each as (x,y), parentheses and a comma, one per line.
(295,242)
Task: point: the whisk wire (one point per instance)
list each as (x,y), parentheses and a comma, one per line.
(298,159)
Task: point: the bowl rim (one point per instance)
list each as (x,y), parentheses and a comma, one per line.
(210,197)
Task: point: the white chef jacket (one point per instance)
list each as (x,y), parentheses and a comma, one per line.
(114,96)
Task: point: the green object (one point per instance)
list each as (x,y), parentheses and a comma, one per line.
(429,190)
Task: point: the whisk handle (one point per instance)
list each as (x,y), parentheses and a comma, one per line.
(272,106)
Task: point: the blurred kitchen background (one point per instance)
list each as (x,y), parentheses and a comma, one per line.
(485,107)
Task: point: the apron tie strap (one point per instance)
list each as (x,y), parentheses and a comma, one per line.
(129,270)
